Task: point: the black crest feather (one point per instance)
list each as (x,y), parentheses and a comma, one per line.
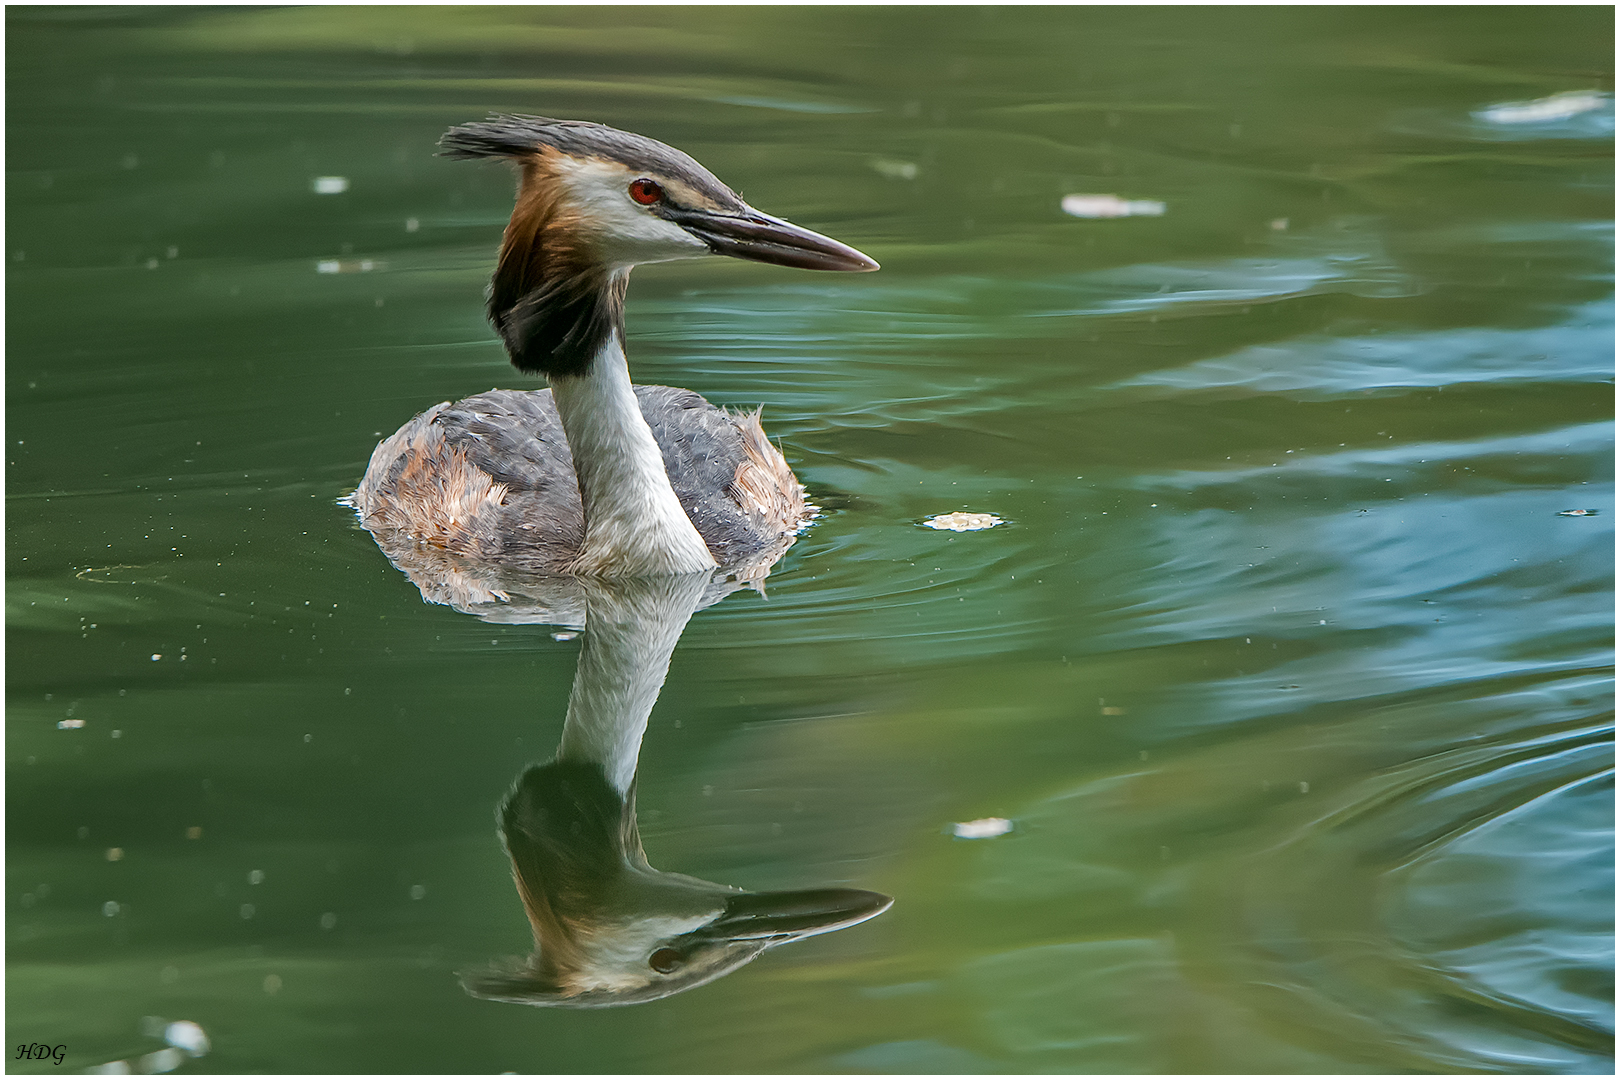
(514,136)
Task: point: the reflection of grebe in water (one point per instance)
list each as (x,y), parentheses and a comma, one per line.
(595,476)
(608,928)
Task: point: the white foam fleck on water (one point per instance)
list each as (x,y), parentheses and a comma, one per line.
(894,170)
(187,1036)
(1110,206)
(1557,107)
(982,828)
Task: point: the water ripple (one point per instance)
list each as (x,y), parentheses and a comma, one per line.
(1581,349)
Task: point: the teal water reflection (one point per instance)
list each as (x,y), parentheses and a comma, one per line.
(1289,667)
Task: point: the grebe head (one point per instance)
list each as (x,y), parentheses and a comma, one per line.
(593,202)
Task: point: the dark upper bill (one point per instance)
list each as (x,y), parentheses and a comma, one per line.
(763,238)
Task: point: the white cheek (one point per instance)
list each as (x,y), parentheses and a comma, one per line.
(645,238)
(621,230)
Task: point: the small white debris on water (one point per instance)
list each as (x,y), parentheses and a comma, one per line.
(565,635)
(246,911)
(1557,107)
(895,170)
(328,920)
(962,521)
(157,656)
(982,829)
(348,266)
(418,891)
(411,224)
(161,1061)
(187,1036)
(110,908)
(331,185)
(185,1039)
(272,984)
(69,724)
(1561,513)
(255,877)
(1110,206)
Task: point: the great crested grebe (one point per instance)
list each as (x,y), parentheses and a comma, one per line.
(595,476)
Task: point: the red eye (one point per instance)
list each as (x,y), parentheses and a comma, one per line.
(645,191)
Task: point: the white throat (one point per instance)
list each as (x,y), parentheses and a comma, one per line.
(634,524)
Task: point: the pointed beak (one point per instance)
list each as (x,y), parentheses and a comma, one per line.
(757,236)
(777,917)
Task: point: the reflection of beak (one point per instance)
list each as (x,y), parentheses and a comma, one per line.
(777,917)
(757,236)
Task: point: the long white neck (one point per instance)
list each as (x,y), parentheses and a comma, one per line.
(634,524)
(631,629)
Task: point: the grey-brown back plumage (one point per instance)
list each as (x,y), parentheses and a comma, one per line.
(490,478)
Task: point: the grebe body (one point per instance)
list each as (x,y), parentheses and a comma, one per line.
(595,476)
(491,478)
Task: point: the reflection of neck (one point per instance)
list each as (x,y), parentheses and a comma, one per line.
(631,628)
(634,524)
